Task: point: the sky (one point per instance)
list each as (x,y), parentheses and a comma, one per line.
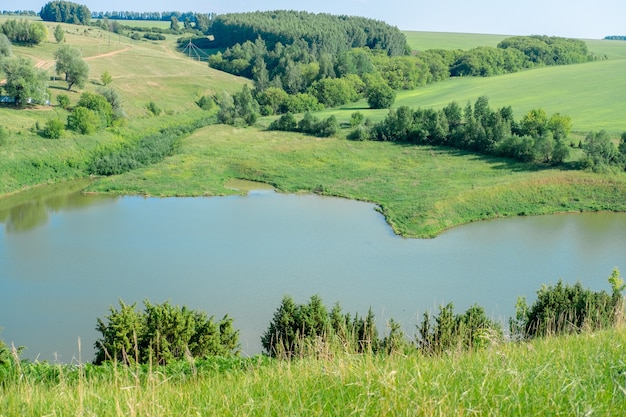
(569,18)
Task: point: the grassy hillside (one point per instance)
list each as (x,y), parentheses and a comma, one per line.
(422,191)
(565,376)
(142,72)
(421,41)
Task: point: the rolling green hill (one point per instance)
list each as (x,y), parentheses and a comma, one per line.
(399,179)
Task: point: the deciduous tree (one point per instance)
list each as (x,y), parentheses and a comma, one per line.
(24,82)
(69,61)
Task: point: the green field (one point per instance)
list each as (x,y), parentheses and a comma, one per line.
(421,41)
(564,376)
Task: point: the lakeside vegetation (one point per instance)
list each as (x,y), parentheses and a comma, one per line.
(461,364)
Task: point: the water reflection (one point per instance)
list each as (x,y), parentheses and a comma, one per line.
(31,209)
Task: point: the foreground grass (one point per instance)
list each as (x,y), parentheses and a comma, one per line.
(565,376)
(420,190)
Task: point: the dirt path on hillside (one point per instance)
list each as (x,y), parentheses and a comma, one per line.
(119,51)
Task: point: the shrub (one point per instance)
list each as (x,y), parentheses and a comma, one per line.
(356,119)
(106,78)
(286,123)
(154,36)
(162,333)
(380,96)
(563,309)
(327,127)
(303,329)
(99,105)
(53,129)
(64,101)
(83,120)
(205,103)
(153,108)
(470,330)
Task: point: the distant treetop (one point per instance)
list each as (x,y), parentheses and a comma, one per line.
(615,38)
(65,12)
(325,32)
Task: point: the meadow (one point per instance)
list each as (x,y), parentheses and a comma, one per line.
(575,375)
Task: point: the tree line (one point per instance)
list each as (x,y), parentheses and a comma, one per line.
(323,32)
(478,128)
(164,333)
(65,12)
(24,31)
(165,16)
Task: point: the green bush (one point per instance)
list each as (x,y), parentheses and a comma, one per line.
(450,331)
(83,120)
(53,129)
(162,333)
(304,329)
(380,96)
(286,123)
(205,103)
(64,101)
(153,108)
(563,309)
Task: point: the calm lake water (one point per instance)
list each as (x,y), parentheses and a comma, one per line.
(65,258)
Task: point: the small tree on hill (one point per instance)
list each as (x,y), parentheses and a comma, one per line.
(24,82)
(380,96)
(5,46)
(69,61)
(59,34)
(53,129)
(106,78)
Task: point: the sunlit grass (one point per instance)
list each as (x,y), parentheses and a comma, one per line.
(573,375)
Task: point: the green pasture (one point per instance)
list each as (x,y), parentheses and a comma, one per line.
(421,41)
(581,375)
(592,94)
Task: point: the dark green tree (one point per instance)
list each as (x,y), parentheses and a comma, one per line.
(380,96)
(66,12)
(162,333)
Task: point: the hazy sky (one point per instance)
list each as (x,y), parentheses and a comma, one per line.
(571,18)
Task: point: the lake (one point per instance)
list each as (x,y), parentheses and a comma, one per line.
(65,258)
